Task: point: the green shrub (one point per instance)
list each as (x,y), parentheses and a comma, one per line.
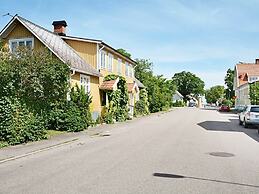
(18,124)
(179,103)
(67,117)
(141,106)
(227,102)
(36,78)
(73,115)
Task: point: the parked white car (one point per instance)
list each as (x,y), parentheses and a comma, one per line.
(249,116)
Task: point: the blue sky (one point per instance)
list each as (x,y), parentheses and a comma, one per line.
(201,36)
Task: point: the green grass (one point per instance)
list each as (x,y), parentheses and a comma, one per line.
(52,133)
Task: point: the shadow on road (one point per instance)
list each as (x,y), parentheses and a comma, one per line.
(232,126)
(176,176)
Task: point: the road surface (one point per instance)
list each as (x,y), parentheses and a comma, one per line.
(187,150)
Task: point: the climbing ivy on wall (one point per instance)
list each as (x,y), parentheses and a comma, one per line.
(118,101)
(141,106)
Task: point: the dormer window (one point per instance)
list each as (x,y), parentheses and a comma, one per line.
(24,42)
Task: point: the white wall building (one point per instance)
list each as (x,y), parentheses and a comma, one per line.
(244,73)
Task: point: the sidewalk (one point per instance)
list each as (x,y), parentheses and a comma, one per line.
(23,150)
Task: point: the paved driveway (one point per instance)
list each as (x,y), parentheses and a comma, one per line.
(163,153)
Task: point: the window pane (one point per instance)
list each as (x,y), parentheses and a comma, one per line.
(13,47)
(29,44)
(110,60)
(119,66)
(103,60)
(21,43)
(254,109)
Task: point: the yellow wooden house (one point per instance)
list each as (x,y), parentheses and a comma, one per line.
(90,60)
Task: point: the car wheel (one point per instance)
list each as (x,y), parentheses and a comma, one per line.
(240,122)
(245,124)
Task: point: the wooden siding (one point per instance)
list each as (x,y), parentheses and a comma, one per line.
(86,50)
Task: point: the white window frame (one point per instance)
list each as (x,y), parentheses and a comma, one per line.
(130,70)
(86,84)
(119,67)
(110,62)
(21,40)
(126,68)
(103,59)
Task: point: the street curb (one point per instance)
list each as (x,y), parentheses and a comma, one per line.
(38,151)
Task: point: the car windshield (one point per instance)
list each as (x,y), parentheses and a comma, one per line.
(255,109)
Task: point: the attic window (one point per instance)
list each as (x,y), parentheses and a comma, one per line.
(24,42)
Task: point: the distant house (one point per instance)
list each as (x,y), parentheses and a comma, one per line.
(177,96)
(244,73)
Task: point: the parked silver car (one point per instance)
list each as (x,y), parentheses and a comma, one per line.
(249,116)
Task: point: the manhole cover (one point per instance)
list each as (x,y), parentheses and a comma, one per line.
(221,154)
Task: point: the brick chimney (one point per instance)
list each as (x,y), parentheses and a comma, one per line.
(60,27)
(256,61)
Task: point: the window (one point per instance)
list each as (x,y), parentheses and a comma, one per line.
(102,59)
(119,66)
(85,82)
(126,69)
(255,109)
(253,78)
(14,43)
(110,62)
(130,71)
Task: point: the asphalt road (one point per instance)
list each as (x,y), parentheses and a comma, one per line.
(162,153)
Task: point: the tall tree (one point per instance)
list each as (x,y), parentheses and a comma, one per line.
(188,84)
(160,90)
(229,81)
(215,93)
(124,52)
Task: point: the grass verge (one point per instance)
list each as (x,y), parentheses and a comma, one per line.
(52,133)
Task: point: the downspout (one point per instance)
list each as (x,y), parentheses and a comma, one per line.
(69,82)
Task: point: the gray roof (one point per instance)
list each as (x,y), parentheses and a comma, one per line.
(140,85)
(179,94)
(58,46)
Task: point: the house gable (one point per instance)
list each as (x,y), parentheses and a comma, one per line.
(243,71)
(54,43)
(20,32)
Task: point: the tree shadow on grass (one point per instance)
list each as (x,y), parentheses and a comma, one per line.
(231,126)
